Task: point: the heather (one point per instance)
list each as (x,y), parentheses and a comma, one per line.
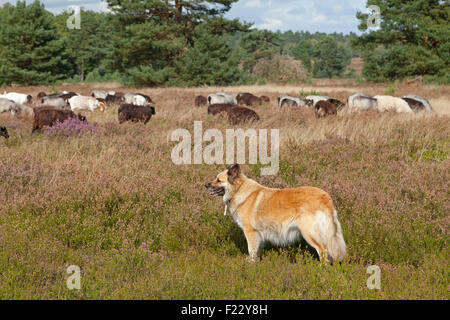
(69,127)
(140,227)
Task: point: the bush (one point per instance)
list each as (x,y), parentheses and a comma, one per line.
(281,69)
(70,127)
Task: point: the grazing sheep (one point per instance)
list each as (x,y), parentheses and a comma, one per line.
(221,98)
(237,115)
(316,98)
(68,95)
(200,101)
(85,103)
(285,100)
(48,116)
(325,108)
(4,132)
(22,109)
(361,101)
(113,99)
(40,95)
(387,103)
(337,103)
(137,99)
(54,101)
(130,112)
(99,94)
(218,108)
(7,105)
(265,99)
(20,98)
(248,99)
(423,103)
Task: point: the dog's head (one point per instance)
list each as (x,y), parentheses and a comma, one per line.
(225,183)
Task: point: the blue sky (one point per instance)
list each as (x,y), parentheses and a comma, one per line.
(308,15)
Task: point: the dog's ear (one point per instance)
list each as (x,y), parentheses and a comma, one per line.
(233,172)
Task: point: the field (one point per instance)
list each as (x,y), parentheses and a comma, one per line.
(141,227)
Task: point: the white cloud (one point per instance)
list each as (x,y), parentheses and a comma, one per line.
(270,24)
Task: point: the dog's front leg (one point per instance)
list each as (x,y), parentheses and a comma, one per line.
(253,241)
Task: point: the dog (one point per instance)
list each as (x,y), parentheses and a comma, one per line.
(281,216)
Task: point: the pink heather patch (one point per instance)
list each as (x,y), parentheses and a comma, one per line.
(70,127)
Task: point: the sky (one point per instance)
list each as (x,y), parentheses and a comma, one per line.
(296,15)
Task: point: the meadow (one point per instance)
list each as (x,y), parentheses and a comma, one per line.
(141,227)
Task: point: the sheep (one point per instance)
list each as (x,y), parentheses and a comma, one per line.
(324,108)
(85,103)
(53,101)
(238,115)
(66,96)
(48,116)
(361,101)
(265,99)
(422,102)
(221,98)
(99,94)
(130,112)
(386,103)
(113,99)
(4,132)
(22,109)
(18,97)
(137,99)
(7,105)
(248,99)
(285,100)
(316,98)
(200,101)
(218,108)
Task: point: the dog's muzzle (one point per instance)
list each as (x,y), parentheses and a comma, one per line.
(213,191)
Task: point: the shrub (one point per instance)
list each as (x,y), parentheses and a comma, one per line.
(70,127)
(281,69)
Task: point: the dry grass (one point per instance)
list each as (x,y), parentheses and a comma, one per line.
(141,227)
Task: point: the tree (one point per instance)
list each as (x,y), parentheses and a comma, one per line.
(89,46)
(330,59)
(153,34)
(413,37)
(210,61)
(31,51)
(258,44)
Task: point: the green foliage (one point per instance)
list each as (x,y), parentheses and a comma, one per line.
(210,61)
(30,50)
(412,40)
(330,58)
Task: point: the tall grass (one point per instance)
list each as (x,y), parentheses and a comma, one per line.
(113,203)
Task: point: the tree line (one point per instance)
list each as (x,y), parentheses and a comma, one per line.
(190,43)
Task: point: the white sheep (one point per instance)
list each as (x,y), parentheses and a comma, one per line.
(136,99)
(361,101)
(290,101)
(422,100)
(85,103)
(20,108)
(316,99)
(387,103)
(99,94)
(6,105)
(17,97)
(221,98)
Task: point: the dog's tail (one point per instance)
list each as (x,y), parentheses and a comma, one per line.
(335,240)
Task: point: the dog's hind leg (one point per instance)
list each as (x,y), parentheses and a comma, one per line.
(321,250)
(253,242)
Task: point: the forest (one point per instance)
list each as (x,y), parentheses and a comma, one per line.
(190,43)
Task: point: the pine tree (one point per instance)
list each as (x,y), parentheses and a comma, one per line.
(413,39)
(30,49)
(330,59)
(209,61)
(155,33)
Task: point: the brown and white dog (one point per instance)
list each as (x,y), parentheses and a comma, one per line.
(281,216)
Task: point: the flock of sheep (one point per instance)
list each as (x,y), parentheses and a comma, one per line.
(57,107)
(323,105)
